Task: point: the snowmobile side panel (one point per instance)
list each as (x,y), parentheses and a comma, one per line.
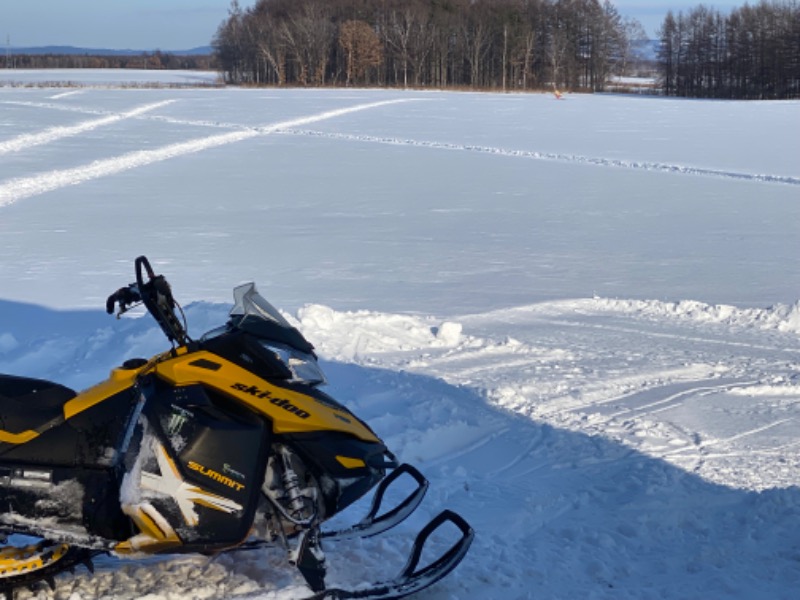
(204,463)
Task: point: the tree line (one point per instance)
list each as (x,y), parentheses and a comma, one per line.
(486,44)
(155,60)
(751,53)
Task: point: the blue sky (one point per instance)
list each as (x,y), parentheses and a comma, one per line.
(651,13)
(184,24)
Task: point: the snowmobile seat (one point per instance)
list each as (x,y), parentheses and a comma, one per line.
(27,403)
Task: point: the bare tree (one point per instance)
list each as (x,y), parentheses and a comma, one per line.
(270,44)
(310,34)
(228,44)
(475,34)
(407,35)
(362,48)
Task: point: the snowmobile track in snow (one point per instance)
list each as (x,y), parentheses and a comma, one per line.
(14,190)
(652,401)
(563,158)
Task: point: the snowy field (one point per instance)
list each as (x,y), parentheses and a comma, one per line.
(578,318)
(106,77)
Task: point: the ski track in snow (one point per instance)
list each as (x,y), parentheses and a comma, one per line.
(23,142)
(14,190)
(564,158)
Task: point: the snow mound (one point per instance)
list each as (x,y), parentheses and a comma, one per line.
(780,317)
(354,334)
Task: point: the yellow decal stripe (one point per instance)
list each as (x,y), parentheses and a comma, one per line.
(120,380)
(351,463)
(17,438)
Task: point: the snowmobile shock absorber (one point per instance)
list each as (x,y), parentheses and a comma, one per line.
(297,496)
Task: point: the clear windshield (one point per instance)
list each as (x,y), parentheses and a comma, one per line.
(252,313)
(247,302)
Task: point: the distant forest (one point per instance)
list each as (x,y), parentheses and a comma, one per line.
(154,60)
(753,52)
(479,44)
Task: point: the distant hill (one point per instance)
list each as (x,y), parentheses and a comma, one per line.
(646,49)
(73,51)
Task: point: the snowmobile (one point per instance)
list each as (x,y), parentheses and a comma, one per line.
(218,444)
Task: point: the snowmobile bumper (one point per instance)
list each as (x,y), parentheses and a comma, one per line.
(374,524)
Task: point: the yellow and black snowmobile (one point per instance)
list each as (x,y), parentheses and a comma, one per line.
(218,444)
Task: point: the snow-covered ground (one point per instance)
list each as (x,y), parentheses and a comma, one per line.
(107,77)
(578,318)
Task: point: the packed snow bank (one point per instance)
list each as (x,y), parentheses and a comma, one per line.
(781,317)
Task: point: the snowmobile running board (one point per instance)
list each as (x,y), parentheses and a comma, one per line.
(411,580)
(371,525)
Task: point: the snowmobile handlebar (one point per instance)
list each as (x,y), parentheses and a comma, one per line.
(142,261)
(156,294)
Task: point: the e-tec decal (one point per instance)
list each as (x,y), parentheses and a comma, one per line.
(267,395)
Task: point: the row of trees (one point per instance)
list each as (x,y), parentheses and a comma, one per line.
(506,44)
(753,52)
(156,60)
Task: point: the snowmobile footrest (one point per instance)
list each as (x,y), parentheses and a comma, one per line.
(372,524)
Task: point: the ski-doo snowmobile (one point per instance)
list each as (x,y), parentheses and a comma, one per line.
(221,443)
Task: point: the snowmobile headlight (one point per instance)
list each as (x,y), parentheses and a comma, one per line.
(304,367)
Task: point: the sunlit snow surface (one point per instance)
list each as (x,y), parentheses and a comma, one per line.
(578,318)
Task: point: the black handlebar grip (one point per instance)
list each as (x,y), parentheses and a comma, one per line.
(112,299)
(125,297)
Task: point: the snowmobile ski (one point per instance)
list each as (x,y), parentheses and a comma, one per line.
(413,579)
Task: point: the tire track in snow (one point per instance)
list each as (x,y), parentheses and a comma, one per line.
(29,140)
(564,158)
(14,190)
